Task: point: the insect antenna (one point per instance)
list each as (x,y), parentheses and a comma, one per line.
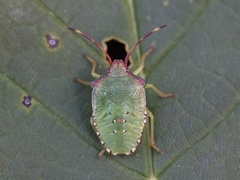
(140,40)
(92,40)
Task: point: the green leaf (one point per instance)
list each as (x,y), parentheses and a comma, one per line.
(196,57)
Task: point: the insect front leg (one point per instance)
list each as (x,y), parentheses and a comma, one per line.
(152,142)
(94,74)
(94,64)
(101,153)
(142,61)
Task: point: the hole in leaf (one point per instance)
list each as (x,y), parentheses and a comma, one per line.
(116,49)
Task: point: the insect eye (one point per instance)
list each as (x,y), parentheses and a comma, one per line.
(127,112)
(109,113)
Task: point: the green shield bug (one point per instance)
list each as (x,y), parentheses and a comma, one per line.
(119,111)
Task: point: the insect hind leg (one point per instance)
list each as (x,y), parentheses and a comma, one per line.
(152,142)
(101,153)
(103,149)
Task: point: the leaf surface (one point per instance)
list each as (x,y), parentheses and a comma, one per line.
(196,57)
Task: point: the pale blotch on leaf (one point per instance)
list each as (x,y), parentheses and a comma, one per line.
(165,3)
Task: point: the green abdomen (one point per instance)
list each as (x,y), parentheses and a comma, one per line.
(119,113)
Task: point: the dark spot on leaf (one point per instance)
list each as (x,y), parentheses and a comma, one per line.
(53,43)
(27,101)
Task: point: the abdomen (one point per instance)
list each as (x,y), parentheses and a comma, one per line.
(119,113)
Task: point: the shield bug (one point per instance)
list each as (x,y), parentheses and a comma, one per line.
(119,111)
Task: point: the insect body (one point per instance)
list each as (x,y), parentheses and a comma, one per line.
(119,103)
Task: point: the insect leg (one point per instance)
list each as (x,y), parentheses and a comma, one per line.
(142,60)
(94,74)
(151,117)
(160,93)
(86,83)
(103,149)
(101,153)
